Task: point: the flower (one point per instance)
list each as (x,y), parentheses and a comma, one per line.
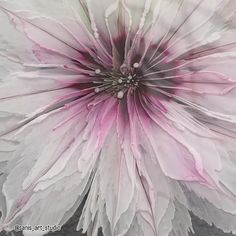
(128,103)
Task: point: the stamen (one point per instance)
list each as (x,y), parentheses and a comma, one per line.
(116,83)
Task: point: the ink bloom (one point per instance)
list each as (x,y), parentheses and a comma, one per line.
(127,104)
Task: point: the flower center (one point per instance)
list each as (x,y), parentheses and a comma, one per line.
(117,83)
(150,72)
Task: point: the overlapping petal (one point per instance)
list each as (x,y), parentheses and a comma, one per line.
(71,124)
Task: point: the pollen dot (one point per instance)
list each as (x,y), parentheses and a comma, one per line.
(120,94)
(120,81)
(136,65)
(97,71)
(97,90)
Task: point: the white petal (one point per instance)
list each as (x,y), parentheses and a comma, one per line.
(204,209)
(13,44)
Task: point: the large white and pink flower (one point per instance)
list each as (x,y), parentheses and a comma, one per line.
(128,102)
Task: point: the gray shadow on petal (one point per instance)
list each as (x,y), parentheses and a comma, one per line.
(201,228)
